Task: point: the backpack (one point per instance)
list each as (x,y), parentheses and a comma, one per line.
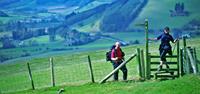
(108,54)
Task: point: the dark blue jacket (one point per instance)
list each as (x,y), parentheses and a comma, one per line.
(165,41)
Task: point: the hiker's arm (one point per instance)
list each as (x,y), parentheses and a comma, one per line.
(175,41)
(153,39)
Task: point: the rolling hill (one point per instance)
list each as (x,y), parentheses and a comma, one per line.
(109,15)
(158,13)
(2,14)
(112,17)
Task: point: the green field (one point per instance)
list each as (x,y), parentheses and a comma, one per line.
(43,46)
(72,69)
(186,85)
(12,17)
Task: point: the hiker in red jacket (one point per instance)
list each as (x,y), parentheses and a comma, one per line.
(117,56)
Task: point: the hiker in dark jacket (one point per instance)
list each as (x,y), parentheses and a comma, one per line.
(117,58)
(165,47)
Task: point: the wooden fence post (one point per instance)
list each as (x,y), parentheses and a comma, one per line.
(148,66)
(30,76)
(195,58)
(193,65)
(52,72)
(187,63)
(185,56)
(90,69)
(147,49)
(178,55)
(181,62)
(142,63)
(184,42)
(195,53)
(139,61)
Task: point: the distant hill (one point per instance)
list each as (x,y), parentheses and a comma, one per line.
(117,16)
(9,3)
(64,2)
(18,4)
(112,17)
(2,14)
(107,15)
(120,14)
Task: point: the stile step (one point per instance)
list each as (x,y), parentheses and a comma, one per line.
(154,56)
(155,63)
(172,69)
(163,76)
(164,72)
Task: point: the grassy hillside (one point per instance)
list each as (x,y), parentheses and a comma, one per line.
(159,16)
(111,18)
(186,85)
(72,69)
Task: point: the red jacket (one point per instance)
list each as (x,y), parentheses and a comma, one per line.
(118,53)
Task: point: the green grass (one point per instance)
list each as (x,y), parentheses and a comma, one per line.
(186,85)
(100,43)
(11,17)
(72,69)
(67,68)
(159,16)
(89,25)
(43,39)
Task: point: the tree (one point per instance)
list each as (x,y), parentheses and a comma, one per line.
(63,31)
(52,34)
(7,42)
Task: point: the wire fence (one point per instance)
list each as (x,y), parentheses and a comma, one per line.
(68,70)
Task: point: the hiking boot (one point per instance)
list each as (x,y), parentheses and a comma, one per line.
(171,73)
(167,68)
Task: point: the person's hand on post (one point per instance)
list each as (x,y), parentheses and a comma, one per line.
(176,40)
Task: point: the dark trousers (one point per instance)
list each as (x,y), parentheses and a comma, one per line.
(123,69)
(163,54)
